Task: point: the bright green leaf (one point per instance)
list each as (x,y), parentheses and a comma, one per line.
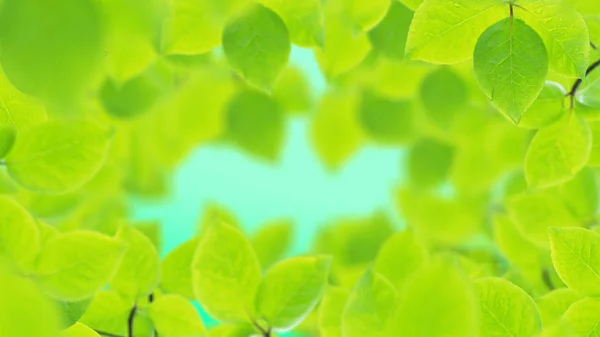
(335,130)
(553,305)
(292,91)
(108,312)
(363,15)
(257,46)
(139,271)
(174,316)
(17,110)
(225,273)
(369,307)
(24,309)
(576,258)
(412,4)
(19,235)
(58,156)
(533,213)
(511,64)
(79,330)
(581,194)
(506,310)
(438,301)
(7,140)
(514,245)
(303,18)
(546,109)
(75,265)
(446,31)
(176,270)
(582,317)
(558,152)
(400,257)
(272,241)
(290,290)
(567,39)
(330,312)
(130,99)
(73,311)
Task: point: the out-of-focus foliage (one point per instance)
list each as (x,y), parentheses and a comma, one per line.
(495,106)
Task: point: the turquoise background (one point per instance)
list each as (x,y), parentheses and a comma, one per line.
(298,187)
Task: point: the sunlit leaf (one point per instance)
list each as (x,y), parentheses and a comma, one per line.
(174,316)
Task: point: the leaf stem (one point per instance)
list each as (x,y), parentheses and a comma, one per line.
(130,320)
(150,300)
(547,279)
(571,94)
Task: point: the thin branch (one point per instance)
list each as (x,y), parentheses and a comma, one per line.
(107,334)
(593,45)
(130,320)
(150,300)
(579,82)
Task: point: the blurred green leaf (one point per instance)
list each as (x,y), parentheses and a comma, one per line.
(303,18)
(272,241)
(176,270)
(330,311)
(19,235)
(174,316)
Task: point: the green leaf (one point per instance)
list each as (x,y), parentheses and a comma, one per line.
(75,265)
(292,92)
(139,271)
(176,270)
(256,123)
(511,65)
(335,130)
(363,15)
(506,310)
(272,241)
(386,120)
(58,156)
(24,309)
(429,163)
(174,316)
(446,31)
(554,304)
(437,301)
(400,257)
(46,59)
(108,312)
(79,330)
(582,317)
(130,99)
(303,18)
(225,273)
(389,36)
(257,46)
(19,235)
(195,27)
(369,307)
(547,108)
(18,110)
(533,213)
(514,245)
(73,311)
(343,49)
(558,152)
(131,29)
(290,290)
(581,194)
(567,39)
(576,258)
(330,312)
(443,93)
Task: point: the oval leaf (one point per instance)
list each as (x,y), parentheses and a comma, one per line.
(58,156)
(290,290)
(511,64)
(75,265)
(506,310)
(257,46)
(174,316)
